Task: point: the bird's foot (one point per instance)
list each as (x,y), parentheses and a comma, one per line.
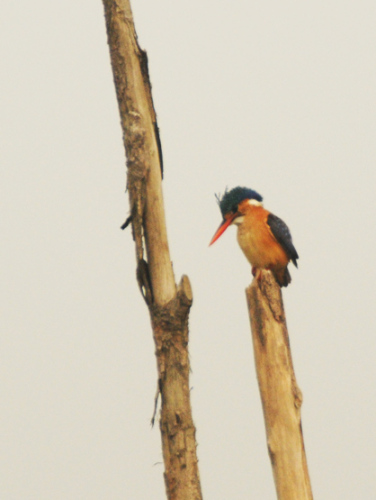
(257,273)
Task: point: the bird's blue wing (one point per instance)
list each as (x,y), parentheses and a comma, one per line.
(282,234)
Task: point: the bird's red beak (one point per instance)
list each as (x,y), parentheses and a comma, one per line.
(222,228)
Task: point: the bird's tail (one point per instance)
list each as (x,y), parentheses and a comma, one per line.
(282,276)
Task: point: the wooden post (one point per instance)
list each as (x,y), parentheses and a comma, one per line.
(280,395)
(168,305)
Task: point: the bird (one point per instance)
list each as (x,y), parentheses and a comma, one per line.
(263,237)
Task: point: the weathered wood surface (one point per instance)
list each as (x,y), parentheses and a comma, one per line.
(280,394)
(168,305)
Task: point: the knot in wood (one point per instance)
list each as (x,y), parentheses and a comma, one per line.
(171,320)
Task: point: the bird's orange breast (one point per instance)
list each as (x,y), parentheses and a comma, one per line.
(256,239)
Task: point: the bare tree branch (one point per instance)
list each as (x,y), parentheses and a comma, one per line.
(168,305)
(280,394)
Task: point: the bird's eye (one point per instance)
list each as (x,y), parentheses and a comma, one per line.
(234,209)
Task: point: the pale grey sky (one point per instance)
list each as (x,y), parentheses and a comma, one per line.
(276,96)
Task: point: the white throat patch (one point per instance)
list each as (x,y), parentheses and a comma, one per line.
(239,220)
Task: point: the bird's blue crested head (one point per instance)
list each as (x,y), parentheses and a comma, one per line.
(230,200)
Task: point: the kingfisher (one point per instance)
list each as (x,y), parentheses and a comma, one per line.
(264,238)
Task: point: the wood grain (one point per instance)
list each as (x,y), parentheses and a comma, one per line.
(168,305)
(280,395)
